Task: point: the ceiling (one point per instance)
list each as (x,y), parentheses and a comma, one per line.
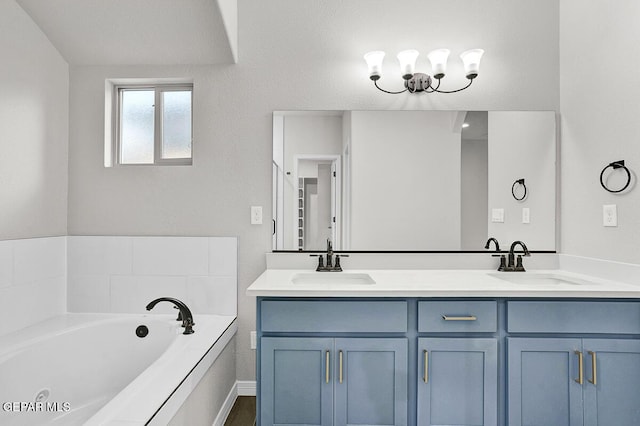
(140,32)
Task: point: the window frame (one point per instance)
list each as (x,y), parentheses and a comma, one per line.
(158,89)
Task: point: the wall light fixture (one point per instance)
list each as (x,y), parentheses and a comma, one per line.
(416,82)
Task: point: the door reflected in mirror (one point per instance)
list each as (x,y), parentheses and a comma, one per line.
(412,180)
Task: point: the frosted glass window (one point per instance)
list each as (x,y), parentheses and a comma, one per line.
(176,124)
(154,124)
(137,124)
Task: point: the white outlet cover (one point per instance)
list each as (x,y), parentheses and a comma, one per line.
(497,215)
(609,215)
(256,215)
(526,215)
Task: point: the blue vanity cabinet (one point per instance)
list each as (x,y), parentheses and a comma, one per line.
(458,381)
(296,385)
(370,381)
(612,382)
(576,378)
(457,362)
(333,362)
(542,386)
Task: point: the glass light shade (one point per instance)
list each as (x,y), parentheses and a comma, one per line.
(407,59)
(471,60)
(438,59)
(374,62)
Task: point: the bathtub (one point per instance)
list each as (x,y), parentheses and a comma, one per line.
(93,369)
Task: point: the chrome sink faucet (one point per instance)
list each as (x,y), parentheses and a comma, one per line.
(330,266)
(517,265)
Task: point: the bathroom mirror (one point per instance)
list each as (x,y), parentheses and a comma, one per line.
(414,181)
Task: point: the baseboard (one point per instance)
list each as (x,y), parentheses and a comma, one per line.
(246,387)
(226,406)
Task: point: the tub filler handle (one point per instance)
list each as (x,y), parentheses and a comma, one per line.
(185,312)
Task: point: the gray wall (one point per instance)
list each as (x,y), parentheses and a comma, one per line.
(599,116)
(310,60)
(34,126)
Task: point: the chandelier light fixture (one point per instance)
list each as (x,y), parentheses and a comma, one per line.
(416,82)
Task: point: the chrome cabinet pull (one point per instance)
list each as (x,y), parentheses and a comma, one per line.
(326,367)
(340,356)
(459,318)
(426,366)
(580,378)
(594,372)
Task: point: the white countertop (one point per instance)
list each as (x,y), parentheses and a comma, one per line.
(443,283)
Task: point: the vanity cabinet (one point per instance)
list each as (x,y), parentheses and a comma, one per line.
(326,363)
(341,381)
(432,361)
(575,380)
(458,381)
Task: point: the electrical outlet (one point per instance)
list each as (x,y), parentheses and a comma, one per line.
(526,215)
(609,215)
(256,215)
(254,339)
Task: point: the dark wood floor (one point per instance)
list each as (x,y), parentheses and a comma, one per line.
(243,412)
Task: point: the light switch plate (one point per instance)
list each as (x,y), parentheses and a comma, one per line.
(254,339)
(609,215)
(497,215)
(256,215)
(526,215)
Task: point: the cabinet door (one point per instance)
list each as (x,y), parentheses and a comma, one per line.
(612,385)
(371,381)
(296,384)
(542,386)
(458,381)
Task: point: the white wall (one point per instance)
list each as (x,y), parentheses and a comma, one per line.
(310,60)
(599,116)
(404,196)
(522,145)
(34,124)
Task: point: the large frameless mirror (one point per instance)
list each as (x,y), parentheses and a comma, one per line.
(413,180)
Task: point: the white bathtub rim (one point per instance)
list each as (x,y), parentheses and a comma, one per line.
(145,397)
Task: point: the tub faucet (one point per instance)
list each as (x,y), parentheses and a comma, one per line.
(516,266)
(503,260)
(185,312)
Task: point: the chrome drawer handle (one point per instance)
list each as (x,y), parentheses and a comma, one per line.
(458,318)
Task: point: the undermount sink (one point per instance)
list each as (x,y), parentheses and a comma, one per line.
(533,279)
(342,278)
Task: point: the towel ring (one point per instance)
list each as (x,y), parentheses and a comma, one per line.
(513,189)
(616,165)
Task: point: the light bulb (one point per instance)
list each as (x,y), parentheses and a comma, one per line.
(471,60)
(407,59)
(374,62)
(438,59)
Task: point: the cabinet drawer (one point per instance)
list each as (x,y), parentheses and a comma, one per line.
(334,316)
(573,317)
(457,316)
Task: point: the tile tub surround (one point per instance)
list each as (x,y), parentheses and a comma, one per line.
(33,281)
(123,274)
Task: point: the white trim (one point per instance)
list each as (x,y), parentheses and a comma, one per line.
(246,387)
(225,410)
